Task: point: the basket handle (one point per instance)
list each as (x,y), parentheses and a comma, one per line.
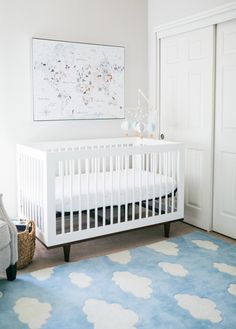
(30,227)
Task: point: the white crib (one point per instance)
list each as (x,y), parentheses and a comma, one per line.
(77,190)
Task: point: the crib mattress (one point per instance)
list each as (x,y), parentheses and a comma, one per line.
(123,187)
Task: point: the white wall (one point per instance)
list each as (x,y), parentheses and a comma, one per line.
(165,11)
(114,22)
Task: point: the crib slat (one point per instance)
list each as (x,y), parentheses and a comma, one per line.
(19,182)
(62,177)
(166,174)
(140,186)
(38,201)
(96,190)
(119,170)
(27,179)
(133,187)
(103,190)
(41,218)
(40,195)
(170,175)
(116,174)
(79,195)
(28,187)
(24,186)
(67,177)
(147,182)
(37,192)
(112,190)
(71,168)
(177,180)
(29,183)
(154,182)
(93,164)
(172,181)
(160,181)
(99,184)
(87,194)
(126,187)
(34,182)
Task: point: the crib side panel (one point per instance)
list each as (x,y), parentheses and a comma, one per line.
(31,187)
(102,189)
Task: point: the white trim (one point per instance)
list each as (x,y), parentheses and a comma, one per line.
(203,19)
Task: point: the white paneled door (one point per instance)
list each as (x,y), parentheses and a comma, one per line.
(186,114)
(224,206)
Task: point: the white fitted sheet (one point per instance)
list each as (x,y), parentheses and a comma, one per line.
(92,196)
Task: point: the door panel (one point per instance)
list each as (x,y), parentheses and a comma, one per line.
(195,103)
(193,175)
(224,210)
(228,97)
(186,114)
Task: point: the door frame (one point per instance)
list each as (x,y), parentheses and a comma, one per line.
(221,130)
(206,18)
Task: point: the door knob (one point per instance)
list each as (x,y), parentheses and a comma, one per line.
(162,136)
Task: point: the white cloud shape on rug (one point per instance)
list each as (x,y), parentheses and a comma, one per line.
(32,312)
(173,269)
(123,257)
(165,247)
(109,316)
(232,289)
(225,268)
(199,308)
(136,285)
(205,244)
(80,279)
(43,274)
(1,294)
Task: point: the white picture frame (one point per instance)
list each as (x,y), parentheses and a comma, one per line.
(77,81)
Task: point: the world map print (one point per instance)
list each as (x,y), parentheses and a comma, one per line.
(77,81)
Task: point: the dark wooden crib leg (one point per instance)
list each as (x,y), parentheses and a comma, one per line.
(11,272)
(167,229)
(66,250)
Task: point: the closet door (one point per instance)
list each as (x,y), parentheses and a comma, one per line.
(224,213)
(186,114)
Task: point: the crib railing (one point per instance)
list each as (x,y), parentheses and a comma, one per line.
(31,170)
(81,190)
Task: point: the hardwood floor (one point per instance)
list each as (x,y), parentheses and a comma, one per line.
(46,258)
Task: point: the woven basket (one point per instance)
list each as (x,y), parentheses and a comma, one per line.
(26,245)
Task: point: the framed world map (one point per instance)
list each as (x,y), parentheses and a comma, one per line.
(74,80)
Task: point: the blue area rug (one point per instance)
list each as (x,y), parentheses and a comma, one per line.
(183,282)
